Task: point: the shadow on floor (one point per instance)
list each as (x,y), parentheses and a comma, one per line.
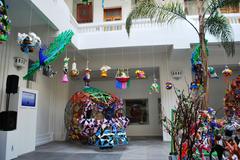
(138,149)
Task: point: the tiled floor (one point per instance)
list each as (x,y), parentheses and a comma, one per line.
(138,149)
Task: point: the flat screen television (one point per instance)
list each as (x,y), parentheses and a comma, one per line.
(28,99)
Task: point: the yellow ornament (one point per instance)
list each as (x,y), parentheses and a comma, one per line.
(104,69)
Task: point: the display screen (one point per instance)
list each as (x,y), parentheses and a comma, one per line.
(28,99)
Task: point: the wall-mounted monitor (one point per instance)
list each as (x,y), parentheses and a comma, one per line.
(28,99)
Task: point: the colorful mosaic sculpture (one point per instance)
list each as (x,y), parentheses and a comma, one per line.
(97,116)
(4,22)
(49,55)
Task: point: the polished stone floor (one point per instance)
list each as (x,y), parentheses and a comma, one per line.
(138,149)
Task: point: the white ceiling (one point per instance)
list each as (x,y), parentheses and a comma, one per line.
(19,13)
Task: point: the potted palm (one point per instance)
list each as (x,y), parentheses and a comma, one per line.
(210,20)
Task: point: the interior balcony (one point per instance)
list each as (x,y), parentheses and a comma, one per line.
(104,32)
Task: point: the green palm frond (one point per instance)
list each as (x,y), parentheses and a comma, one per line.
(218,26)
(214,5)
(159,13)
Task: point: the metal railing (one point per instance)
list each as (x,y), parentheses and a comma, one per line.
(137,24)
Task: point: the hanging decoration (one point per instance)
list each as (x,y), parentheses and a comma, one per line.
(155,87)
(140,74)
(122,79)
(212,73)
(87,76)
(96,116)
(194,86)
(74,71)
(49,55)
(65,70)
(227,73)
(28,42)
(49,71)
(4,22)
(197,68)
(169,85)
(104,70)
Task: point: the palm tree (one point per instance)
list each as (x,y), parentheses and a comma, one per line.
(210,20)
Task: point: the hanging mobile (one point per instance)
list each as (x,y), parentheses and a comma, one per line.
(105,68)
(154,87)
(122,77)
(140,74)
(87,74)
(74,71)
(212,72)
(65,70)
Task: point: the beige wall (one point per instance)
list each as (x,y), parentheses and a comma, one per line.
(69,4)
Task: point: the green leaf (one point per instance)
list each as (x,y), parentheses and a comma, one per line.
(218,26)
(159,13)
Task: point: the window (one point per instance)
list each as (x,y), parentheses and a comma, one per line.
(232,9)
(113,14)
(137,111)
(84,12)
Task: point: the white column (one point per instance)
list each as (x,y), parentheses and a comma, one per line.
(170,61)
(167,96)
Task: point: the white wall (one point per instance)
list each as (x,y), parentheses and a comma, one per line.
(47,95)
(69,4)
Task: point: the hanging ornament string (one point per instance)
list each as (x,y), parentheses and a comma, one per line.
(139,58)
(48,34)
(122,58)
(87,60)
(153,58)
(104,56)
(167,61)
(30,18)
(74,55)
(66,52)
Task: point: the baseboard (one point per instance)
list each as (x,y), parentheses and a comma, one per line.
(44,139)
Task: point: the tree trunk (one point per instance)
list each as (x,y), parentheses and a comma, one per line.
(203,50)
